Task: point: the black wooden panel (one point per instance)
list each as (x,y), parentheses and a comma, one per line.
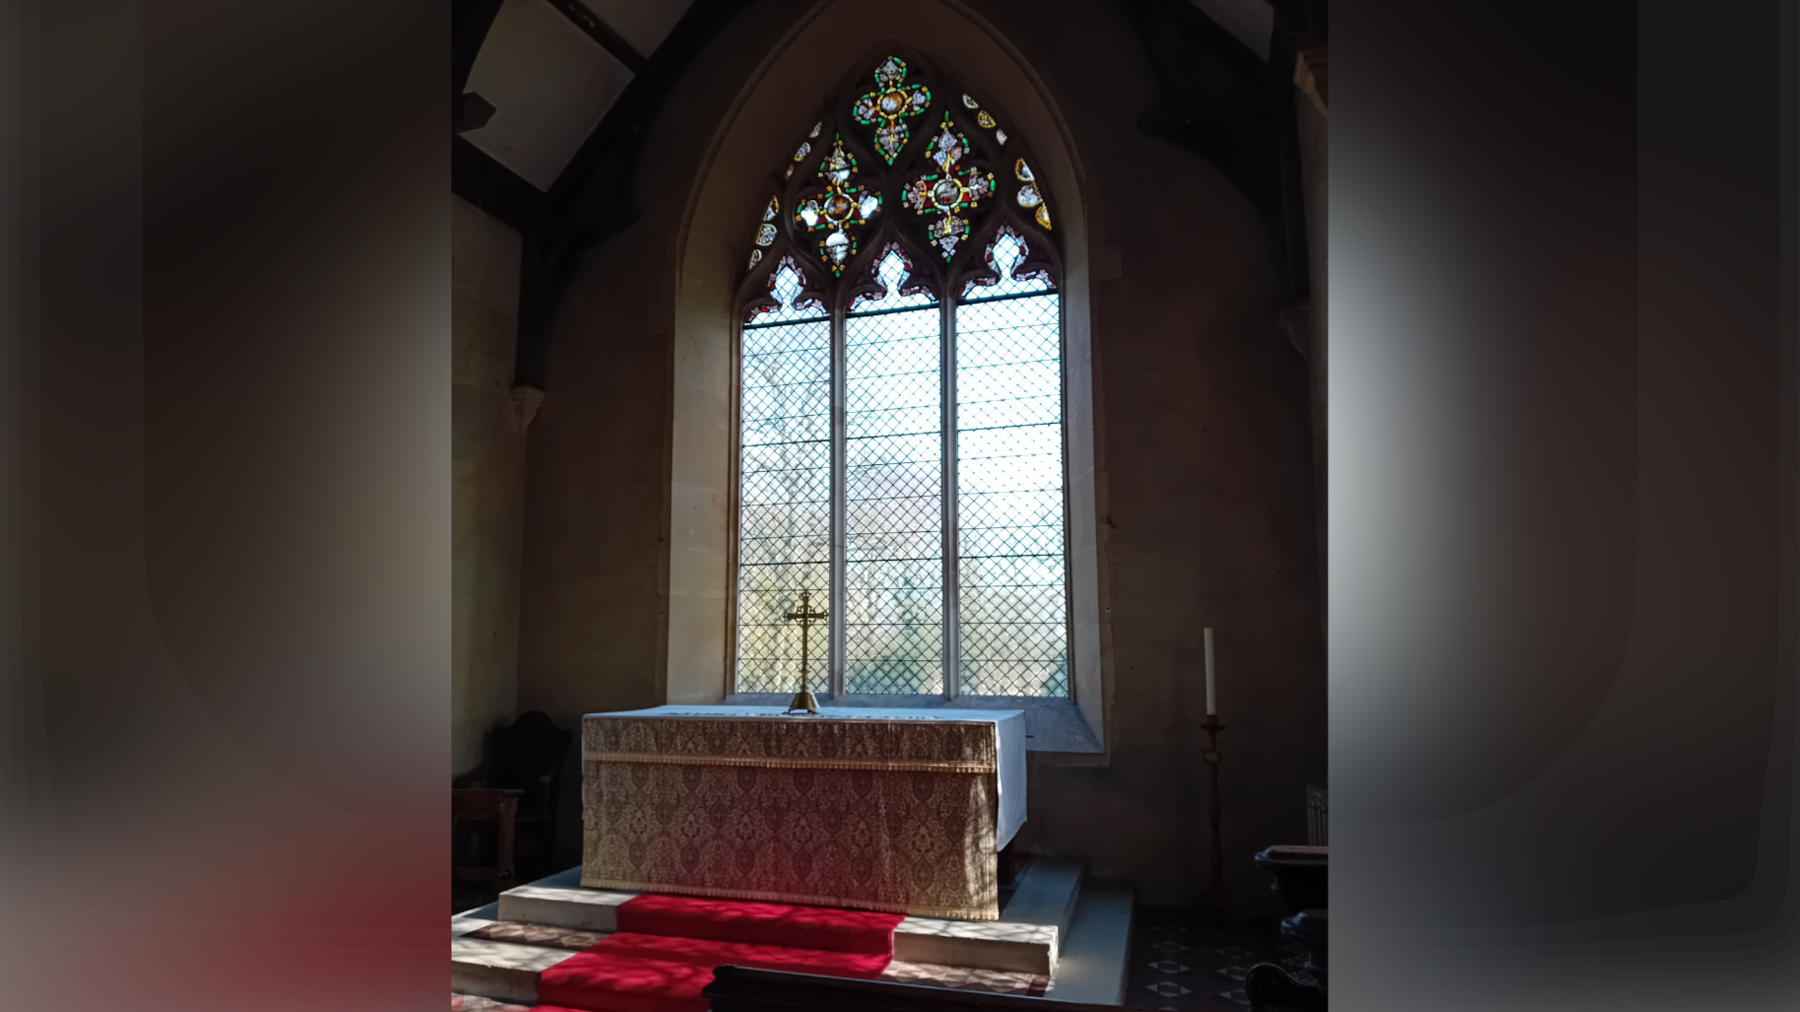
(737,989)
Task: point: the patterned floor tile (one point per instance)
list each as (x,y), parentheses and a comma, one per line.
(1169,966)
(1179,966)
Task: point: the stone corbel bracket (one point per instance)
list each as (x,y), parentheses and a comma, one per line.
(525,403)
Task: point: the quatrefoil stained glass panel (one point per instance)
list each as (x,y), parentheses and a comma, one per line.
(889,105)
(840,211)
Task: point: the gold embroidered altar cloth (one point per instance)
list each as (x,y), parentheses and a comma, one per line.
(865,809)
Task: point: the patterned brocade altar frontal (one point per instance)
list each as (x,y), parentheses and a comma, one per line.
(898,815)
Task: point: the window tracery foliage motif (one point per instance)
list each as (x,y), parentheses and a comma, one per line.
(869,172)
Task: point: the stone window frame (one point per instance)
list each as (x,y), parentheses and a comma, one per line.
(776,106)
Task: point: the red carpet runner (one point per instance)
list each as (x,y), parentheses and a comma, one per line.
(667,946)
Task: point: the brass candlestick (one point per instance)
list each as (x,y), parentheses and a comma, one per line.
(1214,905)
(806,616)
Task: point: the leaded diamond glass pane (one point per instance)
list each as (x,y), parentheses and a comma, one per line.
(893,496)
(1010,551)
(784,496)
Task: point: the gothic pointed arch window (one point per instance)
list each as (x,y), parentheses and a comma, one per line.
(901,443)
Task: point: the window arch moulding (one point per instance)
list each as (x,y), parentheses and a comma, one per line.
(903,252)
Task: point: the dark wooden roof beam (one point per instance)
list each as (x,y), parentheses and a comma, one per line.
(602,33)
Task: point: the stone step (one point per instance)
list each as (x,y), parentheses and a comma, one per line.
(1023,940)
(509,984)
(503,970)
(564,906)
(507,976)
(977,945)
(1096,952)
(462,924)
(1052,928)
(1046,893)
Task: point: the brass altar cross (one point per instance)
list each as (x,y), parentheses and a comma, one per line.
(806,616)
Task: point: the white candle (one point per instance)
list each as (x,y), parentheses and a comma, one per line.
(1212,703)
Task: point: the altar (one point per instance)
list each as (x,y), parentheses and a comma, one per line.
(903,811)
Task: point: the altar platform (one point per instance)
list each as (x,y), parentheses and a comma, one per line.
(900,811)
(1059,936)
(847,815)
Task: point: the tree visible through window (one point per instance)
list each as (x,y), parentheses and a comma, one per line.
(900,403)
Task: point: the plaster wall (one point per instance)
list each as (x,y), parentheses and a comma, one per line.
(1202,464)
(1207,503)
(487,490)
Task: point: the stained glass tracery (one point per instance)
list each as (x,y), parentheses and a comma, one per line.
(1006,256)
(948,200)
(890,105)
(950,190)
(891,445)
(1029,196)
(765,232)
(984,119)
(803,150)
(839,209)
